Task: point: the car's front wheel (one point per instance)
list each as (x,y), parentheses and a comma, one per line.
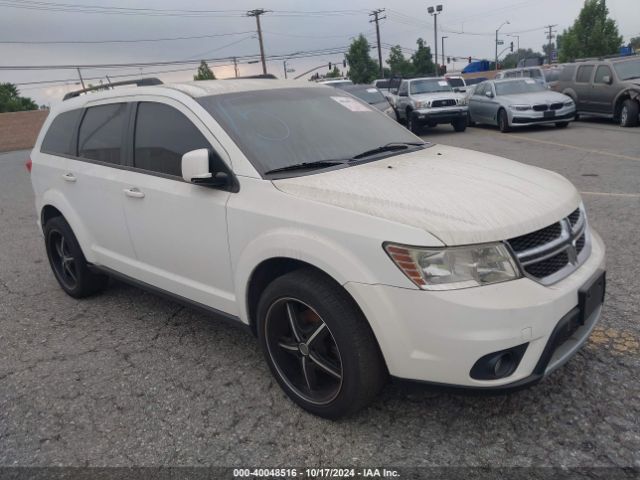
(318,344)
(68,262)
(460,125)
(412,123)
(562,124)
(503,121)
(629,113)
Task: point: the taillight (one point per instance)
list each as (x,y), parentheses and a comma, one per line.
(29,165)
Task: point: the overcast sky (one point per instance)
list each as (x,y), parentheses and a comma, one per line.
(469,25)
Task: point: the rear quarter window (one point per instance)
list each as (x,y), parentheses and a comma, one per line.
(59,137)
(102,132)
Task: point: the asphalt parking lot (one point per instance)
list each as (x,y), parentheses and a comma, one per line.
(128,378)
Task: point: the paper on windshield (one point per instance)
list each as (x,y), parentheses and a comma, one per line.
(351,104)
(372,90)
(528,80)
(442,83)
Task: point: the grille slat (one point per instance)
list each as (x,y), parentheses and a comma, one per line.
(540,108)
(443,103)
(552,252)
(556,106)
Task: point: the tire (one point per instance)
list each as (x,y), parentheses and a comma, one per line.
(503,121)
(629,113)
(562,124)
(345,344)
(460,125)
(67,261)
(412,125)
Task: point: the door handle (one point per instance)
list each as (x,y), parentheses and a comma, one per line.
(69,177)
(133,193)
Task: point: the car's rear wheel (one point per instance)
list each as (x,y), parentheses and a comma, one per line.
(318,344)
(562,124)
(68,262)
(503,121)
(629,113)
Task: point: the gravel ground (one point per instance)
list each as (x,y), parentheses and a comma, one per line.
(128,378)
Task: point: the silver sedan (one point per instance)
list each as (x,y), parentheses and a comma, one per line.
(518,103)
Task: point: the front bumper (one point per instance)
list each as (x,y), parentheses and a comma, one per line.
(522,119)
(441,115)
(437,336)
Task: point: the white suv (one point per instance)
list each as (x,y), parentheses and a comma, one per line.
(350,247)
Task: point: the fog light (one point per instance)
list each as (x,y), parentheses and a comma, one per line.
(499,364)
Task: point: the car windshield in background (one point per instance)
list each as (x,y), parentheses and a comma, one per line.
(429,86)
(369,95)
(455,82)
(518,86)
(281,127)
(628,70)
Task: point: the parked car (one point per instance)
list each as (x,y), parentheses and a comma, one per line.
(457,82)
(535,73)
(519,103)
(430,101)
(350,247)
(607,88)
(389,88)
(372,96)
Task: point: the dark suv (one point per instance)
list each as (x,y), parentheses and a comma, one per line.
(607,88)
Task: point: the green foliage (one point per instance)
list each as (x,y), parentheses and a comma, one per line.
(421,60)
(11,101)
(362,68)
(398,65)
(511,60)
(635,43)
(335,73)
(593,34)
(204,72)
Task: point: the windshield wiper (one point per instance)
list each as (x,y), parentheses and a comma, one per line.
(307,166)
(389,147)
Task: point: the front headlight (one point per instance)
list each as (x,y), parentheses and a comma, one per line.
(569,103)
(520,108)
(454,267)
(461,101)
(425,104)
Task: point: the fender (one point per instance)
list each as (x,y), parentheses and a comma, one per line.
(571,93)
(632,92)
(57,200)
(317,250)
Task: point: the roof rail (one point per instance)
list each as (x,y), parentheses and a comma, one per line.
(141,82)
(606,57)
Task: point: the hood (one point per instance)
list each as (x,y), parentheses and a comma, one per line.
(436,96)
(460,196)
(548,96)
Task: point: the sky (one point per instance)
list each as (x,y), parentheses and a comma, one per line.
(224,31)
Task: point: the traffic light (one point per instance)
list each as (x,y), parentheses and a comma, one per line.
(329,65)
(448,59)
(344,63)
(511,46)
(469,59)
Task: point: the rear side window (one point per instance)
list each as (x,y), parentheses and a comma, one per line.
(602,72)
(584,73)
(59,137)
(101,133)
(163,135)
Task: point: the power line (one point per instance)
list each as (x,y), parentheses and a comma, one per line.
(139,40)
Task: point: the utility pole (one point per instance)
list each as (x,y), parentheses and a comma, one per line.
(497,30)
(443,37)
(434,13)
(284,66)
(376,19)
(550,35)
(81,80)
(256,13)
(235,65)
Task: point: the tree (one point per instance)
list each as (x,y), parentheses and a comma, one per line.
(511,60)
(398,65)
(362,68)
(635,43)
(11,101)
(204,72)
(421,60)
(593,33)
(335,73)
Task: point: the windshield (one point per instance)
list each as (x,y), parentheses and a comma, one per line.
(287,126)
(455,82)
(518,86)
(628,70)
(429,86)
(369,95)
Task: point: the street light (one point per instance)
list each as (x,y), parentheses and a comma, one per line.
(517,37)
(434,13)
(443,49)
(506,22)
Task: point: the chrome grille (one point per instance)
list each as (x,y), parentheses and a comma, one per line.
(556,106)
(443,103)
(540,108)
(551,253)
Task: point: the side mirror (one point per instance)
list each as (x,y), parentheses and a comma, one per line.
(607,79)
(195,169)
(403,94)
(489,94)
